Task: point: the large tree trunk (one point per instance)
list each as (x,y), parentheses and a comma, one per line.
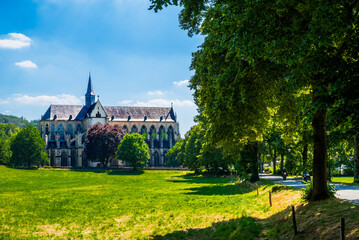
(320,169)
(356,158)
(281,161)
(254,164)
(273,157)
(305,155)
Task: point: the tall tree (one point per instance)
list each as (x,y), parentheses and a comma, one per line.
(27,148)
(102,141)
(134,150)
(194,141)
(247,42)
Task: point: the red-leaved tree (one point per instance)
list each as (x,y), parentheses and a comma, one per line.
(102,142)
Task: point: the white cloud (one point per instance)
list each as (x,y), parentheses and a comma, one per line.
(45,100)
(156,93)
(126,102)
(26,64)
(181,83)
(4,101)
(15,41)
(165,103)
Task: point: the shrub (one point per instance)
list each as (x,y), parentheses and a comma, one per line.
(307,191)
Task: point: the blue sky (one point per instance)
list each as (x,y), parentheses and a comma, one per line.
(136,57)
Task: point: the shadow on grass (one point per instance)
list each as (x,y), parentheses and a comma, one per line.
(242,228)
(218,185)
(200,179)
(315,220)
(21,168)
(111,171)
(219,190)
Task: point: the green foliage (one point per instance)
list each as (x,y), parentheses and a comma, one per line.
(102,142)
(20,122)
(27,148)
(281,49)
(194,141)
(175,155)
(5,152)
(134,150)
(7,130)
(308,190)
(247,165)
(215,160)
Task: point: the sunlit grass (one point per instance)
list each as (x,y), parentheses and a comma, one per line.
(129,205)
(344,180)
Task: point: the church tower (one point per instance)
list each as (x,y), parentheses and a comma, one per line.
(90,95)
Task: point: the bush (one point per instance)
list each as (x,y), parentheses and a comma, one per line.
(307,191)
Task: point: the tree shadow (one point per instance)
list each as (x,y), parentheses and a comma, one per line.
(242,228)
(200,179)
(218,185)
(315,220)
(219,190)
(111,171)
(22,168)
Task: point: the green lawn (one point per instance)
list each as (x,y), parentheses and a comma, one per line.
(344,180)
(127,205)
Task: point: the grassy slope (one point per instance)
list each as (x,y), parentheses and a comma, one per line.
(149,205)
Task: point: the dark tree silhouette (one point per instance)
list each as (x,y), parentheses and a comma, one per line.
(102,142)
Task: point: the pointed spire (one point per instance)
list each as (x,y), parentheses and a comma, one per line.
(90,95)
(89,86)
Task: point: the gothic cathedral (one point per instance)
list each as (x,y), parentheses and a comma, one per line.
(64,128)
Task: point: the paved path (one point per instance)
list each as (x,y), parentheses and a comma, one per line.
(345,192)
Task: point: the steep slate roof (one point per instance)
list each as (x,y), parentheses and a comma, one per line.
(78,112)
(139,113)
(63,112)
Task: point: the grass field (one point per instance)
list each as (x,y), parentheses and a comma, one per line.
(344,180)
(100,204)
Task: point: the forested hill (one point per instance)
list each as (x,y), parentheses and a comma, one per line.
(21,122)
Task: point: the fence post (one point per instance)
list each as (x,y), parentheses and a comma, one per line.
(270,198)
(257,192)
(342,228)
(294,221)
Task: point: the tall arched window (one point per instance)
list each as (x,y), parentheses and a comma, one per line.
(162,133)
(47,129)
(70,130)
(61,132)
(53,132)
(78,129)
(153,132)
(134,129)
(144,131)
(125,128)
(170,133)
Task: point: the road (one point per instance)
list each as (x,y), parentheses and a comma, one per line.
(345,192)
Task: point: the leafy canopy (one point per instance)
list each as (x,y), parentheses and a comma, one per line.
(102,142)
(27,148)
(134,150)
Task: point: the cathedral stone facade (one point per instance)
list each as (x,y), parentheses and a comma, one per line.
(64,129)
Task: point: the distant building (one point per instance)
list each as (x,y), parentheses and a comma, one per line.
(64,129)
